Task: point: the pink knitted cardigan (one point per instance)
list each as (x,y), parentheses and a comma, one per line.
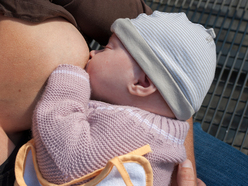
(75,136)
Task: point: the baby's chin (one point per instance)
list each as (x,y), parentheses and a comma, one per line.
(97,98)
(101,99)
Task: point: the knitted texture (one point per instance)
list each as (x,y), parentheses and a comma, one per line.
(177,55)
(75,136)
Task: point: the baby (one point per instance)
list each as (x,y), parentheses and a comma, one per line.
(152,76)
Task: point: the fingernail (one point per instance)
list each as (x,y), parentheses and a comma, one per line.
(187,163)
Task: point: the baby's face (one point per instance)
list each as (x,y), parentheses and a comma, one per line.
(110,71)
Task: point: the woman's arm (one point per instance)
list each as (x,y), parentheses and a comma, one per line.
(6,147)
(189,146)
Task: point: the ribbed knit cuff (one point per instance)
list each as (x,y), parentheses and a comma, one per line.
(68,81)
(177,131)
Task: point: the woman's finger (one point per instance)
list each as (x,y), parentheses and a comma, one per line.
(185,175)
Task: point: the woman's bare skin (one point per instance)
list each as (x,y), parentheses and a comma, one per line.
(29,52)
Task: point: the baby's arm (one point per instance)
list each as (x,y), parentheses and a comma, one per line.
(59,122)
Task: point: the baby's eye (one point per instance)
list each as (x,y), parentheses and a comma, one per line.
(108,46)
(103,48)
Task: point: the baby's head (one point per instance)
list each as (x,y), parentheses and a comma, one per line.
(164,52)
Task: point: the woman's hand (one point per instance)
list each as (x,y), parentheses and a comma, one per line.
(185,175)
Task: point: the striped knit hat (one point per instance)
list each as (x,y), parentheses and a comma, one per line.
(177,55)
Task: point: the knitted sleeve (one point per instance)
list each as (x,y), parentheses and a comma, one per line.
(59,122)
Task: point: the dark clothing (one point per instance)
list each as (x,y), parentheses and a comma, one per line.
(7,174)
(92,17)
(34,10)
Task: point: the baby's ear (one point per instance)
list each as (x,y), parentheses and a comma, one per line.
(142,86)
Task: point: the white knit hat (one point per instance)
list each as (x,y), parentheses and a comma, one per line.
(177,55)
